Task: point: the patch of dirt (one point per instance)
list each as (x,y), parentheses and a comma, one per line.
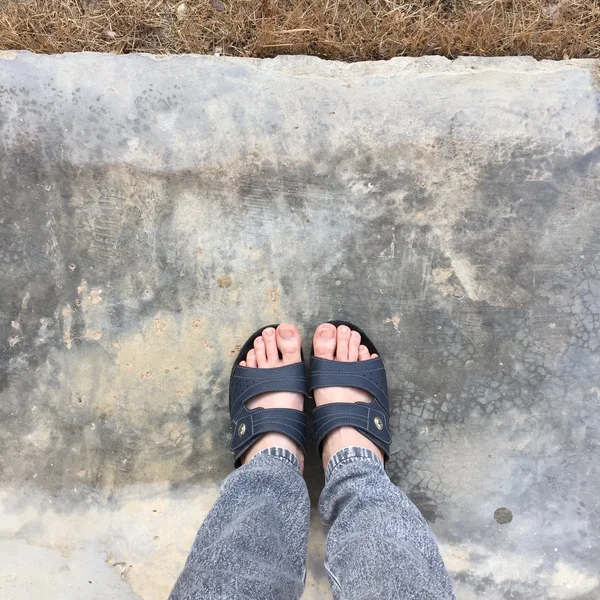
(349,30)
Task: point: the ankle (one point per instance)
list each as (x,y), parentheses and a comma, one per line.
(344,437)
(275,440)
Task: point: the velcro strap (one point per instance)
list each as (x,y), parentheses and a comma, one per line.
(369,418)
(248,425)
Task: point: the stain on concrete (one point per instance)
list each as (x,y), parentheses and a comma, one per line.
(151,221)
(224,281)
(503,515)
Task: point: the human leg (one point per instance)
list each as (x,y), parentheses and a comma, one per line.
(379,545)
(252,543)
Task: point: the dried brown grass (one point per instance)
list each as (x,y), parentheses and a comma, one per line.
(336,29)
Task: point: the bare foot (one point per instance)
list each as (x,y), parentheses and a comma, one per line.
(342,344)
(265,355)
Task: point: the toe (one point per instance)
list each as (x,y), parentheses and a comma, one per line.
(353,346)
(260,352)
(324,341)
(343,343)
(363,353)
(289,343)
(243,363)
(251,359)
(374,355)
(271,347)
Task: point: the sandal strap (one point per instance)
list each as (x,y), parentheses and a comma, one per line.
(249,425)
(246,383)
(372,419)
(373,423)
(368,375)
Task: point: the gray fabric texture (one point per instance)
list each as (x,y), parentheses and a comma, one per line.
(252,544)
(378,546)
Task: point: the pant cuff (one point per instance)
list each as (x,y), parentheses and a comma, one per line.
(349,455)
(282,454)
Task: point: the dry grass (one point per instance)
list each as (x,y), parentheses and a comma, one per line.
(337,29)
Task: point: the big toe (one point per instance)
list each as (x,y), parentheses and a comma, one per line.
(324,341)
(289,343)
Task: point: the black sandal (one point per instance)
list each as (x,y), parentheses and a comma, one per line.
(371,418)
(246,383)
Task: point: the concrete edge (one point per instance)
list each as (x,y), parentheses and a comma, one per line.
(302,65)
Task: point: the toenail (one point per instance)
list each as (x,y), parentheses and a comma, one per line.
(268,332)
(344,329)
(259,341)
(327,333)
(286,333)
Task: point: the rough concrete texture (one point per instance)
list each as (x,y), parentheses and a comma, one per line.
(155,212)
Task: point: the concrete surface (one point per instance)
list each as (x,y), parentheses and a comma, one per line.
(154,212)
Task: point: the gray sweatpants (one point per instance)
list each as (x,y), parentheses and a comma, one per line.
(252,543)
